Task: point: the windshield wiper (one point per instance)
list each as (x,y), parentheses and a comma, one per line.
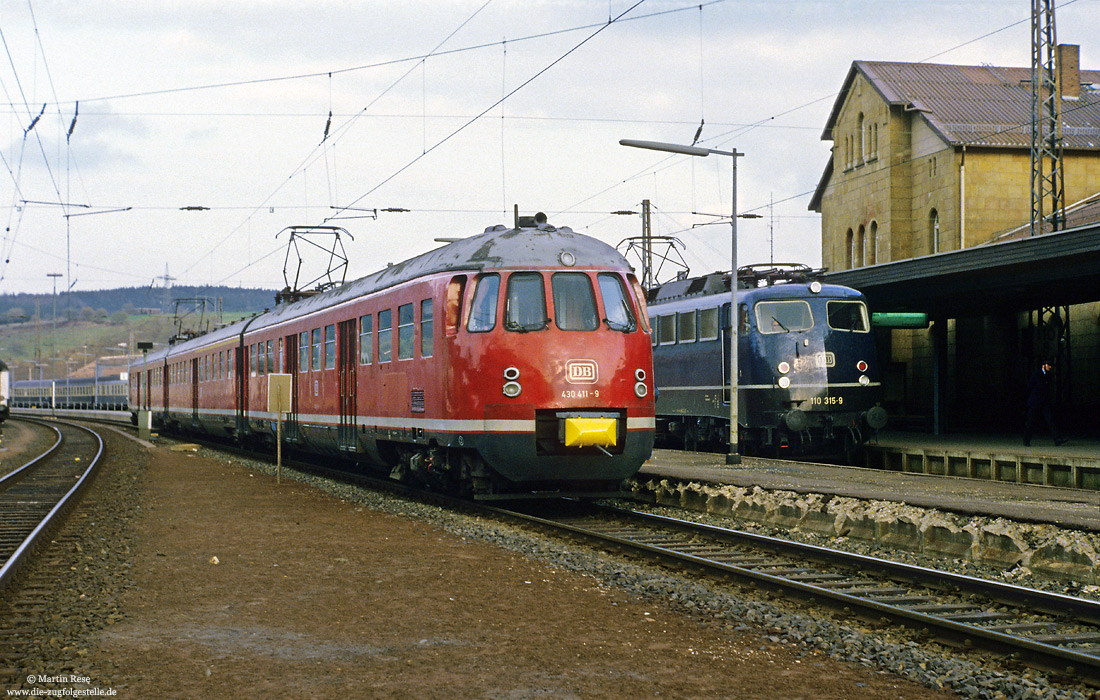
(778,323)
(621,327)
(527,327)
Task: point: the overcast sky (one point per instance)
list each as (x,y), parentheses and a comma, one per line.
(224,105)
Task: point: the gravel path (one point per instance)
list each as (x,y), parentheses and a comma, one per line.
(194,576)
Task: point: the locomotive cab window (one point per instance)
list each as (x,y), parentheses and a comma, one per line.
(574,302)
(848,316)
(525,306)
(783,316)
(616,308)
(483,310)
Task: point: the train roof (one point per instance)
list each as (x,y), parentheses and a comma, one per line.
(752,284)
(62,381)
(497,247)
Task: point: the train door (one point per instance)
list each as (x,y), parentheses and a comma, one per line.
(346,360)
(164,382)
(290,425)
(195,390)
(240,366)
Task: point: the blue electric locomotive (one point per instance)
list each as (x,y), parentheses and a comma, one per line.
(808,384)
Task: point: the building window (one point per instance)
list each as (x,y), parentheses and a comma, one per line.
(862,130)
(934,230)
(849,242)
(872,245)
(861,241)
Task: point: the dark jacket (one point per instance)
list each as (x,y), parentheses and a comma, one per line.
(1038,389)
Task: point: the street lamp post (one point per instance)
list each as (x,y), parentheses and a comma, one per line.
(734,455)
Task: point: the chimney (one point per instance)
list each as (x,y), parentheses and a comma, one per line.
(1069,71)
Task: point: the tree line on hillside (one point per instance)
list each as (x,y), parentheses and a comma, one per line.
(99,304)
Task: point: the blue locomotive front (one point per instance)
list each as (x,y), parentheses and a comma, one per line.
(808,383)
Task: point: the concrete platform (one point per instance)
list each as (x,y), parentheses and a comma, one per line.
(1028,502)
(1075,464)
(1052,531)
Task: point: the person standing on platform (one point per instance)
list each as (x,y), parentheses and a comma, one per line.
(1039,399)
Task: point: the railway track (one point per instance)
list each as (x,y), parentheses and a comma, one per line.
(35,497)
(1053,632)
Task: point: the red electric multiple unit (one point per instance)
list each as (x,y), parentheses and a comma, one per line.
(514,361)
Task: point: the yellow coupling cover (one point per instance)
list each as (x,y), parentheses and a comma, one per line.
(584,432)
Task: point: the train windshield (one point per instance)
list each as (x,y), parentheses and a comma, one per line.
(619,315)
(783,316)
(525,308)
(848,316)
(483,311)
(574,302)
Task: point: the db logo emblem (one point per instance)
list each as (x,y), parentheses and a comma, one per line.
(582,372)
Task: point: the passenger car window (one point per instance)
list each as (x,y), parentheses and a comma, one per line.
(525,307)
(316,349)
(330,347)
(405,332)
(483,311)
(783,316)
(366,337)
(303,351)
(618,315)
(574,302)
(385,335)
(426,328)
(848,316)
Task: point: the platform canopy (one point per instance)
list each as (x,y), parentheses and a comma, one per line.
(1054,269)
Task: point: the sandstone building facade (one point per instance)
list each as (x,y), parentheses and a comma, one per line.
(932,158)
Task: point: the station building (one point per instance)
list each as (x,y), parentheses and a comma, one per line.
(930,182)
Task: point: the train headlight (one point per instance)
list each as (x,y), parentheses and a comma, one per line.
(784,367)
(640,390)
(861,366)
(815,287)
(864,380)
(512,389)
(511,374)
(639,374)
(784,382)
